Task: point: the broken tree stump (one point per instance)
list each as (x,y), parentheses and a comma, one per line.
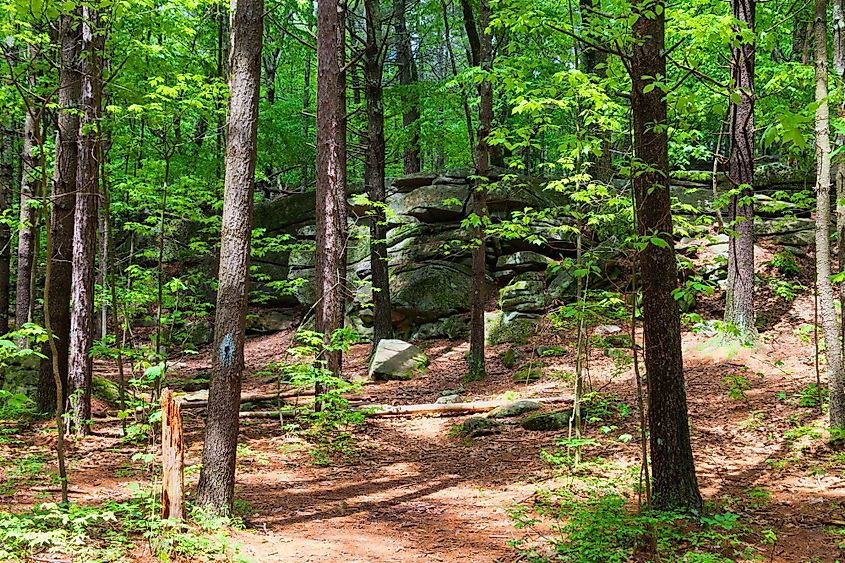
(172,458)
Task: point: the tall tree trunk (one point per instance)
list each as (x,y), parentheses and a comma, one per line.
(827,309)
(739,298)
(477,367)
(374,172)
(216,490)
(85,224)
(6,179)
(407,67)
(331,173)
(595,61)
(674,481)
(27,231)
(838,27)
(306,105)
(61,217)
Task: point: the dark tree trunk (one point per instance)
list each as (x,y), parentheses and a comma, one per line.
(27,232)
(61,217)
(674,481)
(739,298)
(407,67)
(374,172)
(216,490)
(331,173)
(6,179)
(594,63)
(482,166)
(84,248)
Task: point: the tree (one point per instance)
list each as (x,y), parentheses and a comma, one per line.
(85,223)
(331,173)
(824,286)
(407,68)
(6,180)
(374,174)
(216,490)
(739,298)
(27,232)
(484,59)
(673,471)
(63,200)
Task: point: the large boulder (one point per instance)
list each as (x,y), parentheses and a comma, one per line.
(396,359)
(422,293)
(514,327)
(547,421)
(432,204)
(525,293)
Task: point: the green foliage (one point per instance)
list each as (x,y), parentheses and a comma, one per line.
(737,385)
(784,262)
(812,396)
(330,427)
(603,528)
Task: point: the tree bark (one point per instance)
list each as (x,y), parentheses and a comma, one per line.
(374,172)
(331,173)
(85,224)
(827,308)
(6,179)
(61,217)
(477,367)
(407,67)
(27,231)
(739,296)
(216,490)
(674,481)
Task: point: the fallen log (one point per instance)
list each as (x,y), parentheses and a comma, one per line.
(430,409)
(199,399)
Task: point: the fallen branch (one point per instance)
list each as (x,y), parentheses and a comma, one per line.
(432,409)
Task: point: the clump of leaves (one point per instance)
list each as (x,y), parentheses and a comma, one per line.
(812,396)
(329,427)
(785,264)
(737,385)
(603,528)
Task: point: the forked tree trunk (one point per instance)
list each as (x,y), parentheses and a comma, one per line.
(216,490)
(331,173)
(407,68)
(477,367)
(374,172)
(739,297)
(27,231)
(85,225)
(674,482)
(827,308)
(61,217)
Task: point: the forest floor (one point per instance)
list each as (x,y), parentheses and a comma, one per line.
(413,493)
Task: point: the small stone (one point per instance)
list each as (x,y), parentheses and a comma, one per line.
(448,400)
(476,426)
(514,408)
(547,421)
(549,351)
(529,373)
(608,329)
(396,360)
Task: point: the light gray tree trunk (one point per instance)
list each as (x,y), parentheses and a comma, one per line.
(85,226)
(827,308)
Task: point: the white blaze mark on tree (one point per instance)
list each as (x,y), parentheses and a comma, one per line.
(227,351)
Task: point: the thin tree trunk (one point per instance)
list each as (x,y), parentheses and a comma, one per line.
(674,482)
(454,64)
(407,67)
(306,105)
(84,228)
(331,174)
(374,172)
(482,166)
(27,231)
(61,217)
(6,179)
(216,490)
(838,27)
(827,309)
(739,297)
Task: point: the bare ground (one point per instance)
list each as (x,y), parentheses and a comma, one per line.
(414,494)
